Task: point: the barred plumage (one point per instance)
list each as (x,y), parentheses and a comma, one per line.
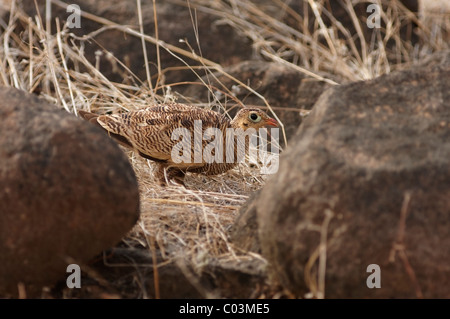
(149,132)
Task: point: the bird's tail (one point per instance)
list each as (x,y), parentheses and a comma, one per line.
(93,118)
(90,117)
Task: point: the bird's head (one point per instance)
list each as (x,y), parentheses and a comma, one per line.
(252,118)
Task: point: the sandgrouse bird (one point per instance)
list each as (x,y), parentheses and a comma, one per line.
(149,132)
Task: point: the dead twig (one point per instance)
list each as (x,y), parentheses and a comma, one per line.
(399,246)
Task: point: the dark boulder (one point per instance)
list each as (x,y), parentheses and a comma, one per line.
(365,181)
(66,192)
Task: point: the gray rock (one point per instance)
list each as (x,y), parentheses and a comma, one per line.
(180,278)
(244,231)
(66,192)
(368,174)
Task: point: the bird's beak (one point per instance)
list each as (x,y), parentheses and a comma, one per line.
(272,122)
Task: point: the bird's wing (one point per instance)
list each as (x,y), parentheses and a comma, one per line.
(151,131)
(171,108)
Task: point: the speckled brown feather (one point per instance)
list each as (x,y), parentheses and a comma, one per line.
(149,132)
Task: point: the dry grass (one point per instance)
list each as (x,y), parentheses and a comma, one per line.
(192,224)
(328,47)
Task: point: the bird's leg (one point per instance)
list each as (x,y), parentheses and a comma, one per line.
(175,176)
(148,164)
(159,175)
(166,175)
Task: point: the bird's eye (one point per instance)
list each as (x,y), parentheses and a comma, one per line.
(254,117)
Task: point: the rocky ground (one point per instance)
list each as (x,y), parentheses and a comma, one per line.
(363,177)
